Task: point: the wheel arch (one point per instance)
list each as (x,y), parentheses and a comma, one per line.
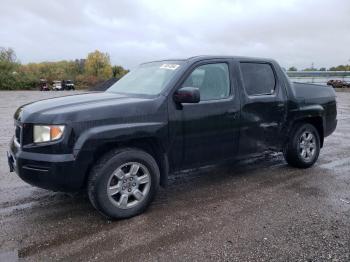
(151,145)
(316,121)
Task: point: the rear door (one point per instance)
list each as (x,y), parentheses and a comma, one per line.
(263,107)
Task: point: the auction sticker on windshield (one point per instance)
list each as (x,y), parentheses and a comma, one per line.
(169,66)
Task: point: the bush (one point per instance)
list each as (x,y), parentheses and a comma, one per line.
(17,80)
(86,81)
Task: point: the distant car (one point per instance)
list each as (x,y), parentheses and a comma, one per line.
(68,85)
(57,85)
(338,84)
(43,85)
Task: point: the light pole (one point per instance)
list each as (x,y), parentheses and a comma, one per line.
(346,68)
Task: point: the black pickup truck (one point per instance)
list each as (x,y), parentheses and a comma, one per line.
(120,145)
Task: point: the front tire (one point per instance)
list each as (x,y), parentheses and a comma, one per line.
(303,147)
(123,183)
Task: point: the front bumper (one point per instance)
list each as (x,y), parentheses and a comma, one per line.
(57,172)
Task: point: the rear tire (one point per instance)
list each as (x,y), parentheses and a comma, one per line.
(303,147)
(123,183)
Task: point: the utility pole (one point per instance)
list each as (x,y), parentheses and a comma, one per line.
(346,69)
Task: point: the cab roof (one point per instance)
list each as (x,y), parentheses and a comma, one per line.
(210,57)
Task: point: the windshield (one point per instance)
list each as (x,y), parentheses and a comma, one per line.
(148,79)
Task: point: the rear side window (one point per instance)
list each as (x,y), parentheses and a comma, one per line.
(258,79)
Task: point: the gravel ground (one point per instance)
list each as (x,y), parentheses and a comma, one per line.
(256,210)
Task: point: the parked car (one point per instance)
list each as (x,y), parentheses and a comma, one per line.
(43,86)
(338,84)
(120,145)
(68,85)
(57,85)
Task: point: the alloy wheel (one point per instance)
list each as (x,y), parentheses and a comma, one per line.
(128,185)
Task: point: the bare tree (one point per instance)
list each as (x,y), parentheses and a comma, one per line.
(8,55)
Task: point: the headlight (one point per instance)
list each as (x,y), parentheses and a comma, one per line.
(47,133)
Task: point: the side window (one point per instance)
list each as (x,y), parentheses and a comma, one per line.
(211,79)
(258,79)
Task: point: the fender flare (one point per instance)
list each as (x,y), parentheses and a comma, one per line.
(308,113)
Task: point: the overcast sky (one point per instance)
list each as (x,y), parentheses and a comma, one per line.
(295,32)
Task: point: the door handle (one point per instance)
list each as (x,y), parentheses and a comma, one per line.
(232,113)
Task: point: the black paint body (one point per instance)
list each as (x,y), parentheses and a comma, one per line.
(178,136)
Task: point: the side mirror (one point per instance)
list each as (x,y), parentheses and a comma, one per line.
(187,95)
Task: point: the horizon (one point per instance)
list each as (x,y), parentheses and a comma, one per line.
(306,69)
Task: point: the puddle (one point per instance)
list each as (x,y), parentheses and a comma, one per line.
(8,256)
(336,163)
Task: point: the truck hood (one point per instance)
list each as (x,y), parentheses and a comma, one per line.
(92,106)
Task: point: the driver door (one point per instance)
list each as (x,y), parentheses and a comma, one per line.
(210,127)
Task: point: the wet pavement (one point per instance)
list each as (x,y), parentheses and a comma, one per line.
(256,210)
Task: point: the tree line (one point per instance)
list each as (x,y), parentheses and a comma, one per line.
(333,68)
(85,73)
